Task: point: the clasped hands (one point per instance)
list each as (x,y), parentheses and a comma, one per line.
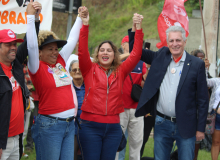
(137,22)
(84,15)
(34,8)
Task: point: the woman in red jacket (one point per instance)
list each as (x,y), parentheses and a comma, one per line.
(100,135)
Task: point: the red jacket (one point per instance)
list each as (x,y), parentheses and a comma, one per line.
(99,98)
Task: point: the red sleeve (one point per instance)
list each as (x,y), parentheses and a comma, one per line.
(144,69)
(85,63)
(129,64)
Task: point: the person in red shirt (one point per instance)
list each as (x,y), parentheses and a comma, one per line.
(101,133)
(54,127)
(127,119)
(12,91)
(16,125)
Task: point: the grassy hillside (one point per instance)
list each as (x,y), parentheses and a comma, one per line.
(110,19)
(113,22)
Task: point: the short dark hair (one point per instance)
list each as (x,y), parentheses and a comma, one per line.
(0,45)
(195,52)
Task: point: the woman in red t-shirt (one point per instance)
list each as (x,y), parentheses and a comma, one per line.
(54,128)
(101,133)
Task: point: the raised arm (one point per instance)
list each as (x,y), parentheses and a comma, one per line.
(32,45)
(129,64)
(85,63)
(74,35)
(147,55)
(22,51)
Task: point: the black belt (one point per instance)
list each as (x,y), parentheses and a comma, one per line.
(172,119)
(64,119)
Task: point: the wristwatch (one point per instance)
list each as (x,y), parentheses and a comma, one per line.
(37,19)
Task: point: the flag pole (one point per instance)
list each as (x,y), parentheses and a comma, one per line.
(70,15)
(206,53)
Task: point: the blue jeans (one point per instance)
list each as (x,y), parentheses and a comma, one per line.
(76,125)
(99,141)
(165,133)
(217,122)
(53,138)
(121,155)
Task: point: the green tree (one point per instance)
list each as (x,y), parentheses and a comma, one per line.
(194,3)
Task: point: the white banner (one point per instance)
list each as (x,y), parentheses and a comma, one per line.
(13,15)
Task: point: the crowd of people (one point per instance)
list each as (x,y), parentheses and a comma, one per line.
(84,103)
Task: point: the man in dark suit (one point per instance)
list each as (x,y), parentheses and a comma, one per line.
(175,92)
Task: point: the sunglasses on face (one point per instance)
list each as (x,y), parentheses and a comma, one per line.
(75,70)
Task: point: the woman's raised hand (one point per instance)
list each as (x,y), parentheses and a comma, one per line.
(84,15)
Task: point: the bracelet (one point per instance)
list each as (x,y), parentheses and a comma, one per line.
(37,19)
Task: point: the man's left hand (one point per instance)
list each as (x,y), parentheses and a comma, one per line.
(200,136)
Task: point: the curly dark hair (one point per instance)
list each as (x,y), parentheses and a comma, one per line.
(42,36)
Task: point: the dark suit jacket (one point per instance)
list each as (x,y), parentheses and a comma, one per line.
(192,100)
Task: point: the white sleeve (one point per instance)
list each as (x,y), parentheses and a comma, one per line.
(72,40)
(217,98)
(32,45)
(211,82)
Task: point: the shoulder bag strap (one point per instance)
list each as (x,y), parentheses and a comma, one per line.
(217,107)
(131,79)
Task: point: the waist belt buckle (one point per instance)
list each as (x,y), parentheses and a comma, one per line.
(67,120)
(172,119)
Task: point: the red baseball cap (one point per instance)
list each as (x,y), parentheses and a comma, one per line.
(7,35)
(125,39)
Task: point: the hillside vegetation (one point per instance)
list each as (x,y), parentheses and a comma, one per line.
(110,19)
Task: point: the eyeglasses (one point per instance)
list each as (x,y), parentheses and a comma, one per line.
(75,70)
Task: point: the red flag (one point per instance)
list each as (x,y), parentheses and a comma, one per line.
(173,13)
